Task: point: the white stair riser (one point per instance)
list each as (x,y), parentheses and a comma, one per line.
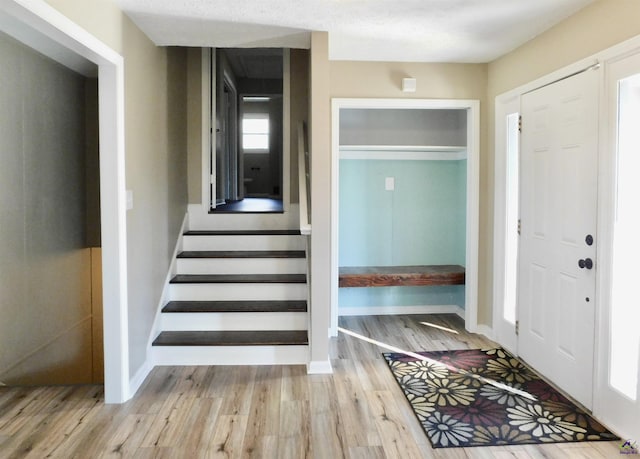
(234,321)
(237,292)
(241,265)
(243,243)
(199,218)
(230,355)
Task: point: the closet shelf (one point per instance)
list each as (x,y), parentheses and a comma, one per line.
(403,152)
(394,276)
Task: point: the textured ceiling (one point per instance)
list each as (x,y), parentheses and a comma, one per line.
(388,30)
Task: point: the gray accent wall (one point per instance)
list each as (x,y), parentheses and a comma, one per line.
(45,265)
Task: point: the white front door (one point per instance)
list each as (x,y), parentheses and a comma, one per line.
(556,289)
(618,401)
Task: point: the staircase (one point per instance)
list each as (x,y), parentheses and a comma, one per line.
(238,298)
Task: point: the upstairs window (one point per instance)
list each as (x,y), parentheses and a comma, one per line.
(255,132)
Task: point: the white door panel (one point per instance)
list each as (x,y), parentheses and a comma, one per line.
(558,210)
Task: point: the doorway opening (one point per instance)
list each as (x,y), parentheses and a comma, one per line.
(50,161)
(42,28)
(410,158)
(248,165)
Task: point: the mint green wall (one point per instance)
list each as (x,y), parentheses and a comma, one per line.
(358,297)
(421,222)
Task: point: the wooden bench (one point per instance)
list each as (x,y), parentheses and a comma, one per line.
(392,276)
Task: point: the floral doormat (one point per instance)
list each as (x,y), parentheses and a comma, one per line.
(488,397)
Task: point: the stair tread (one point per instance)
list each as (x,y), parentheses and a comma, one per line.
(242,233)
(235,306)
(232,338)
(239,279)
(242,254)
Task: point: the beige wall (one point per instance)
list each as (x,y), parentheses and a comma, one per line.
(194,124)
(156,156)
(600,25)
(101,18)
(320,158)
(299,59)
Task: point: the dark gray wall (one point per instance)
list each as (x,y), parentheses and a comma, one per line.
(45,294)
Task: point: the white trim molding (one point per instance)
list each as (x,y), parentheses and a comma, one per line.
(319,368)
(473,190)
(208,134)
(403,153)
(400,310)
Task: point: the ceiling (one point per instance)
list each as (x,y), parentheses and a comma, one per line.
(378,30)
(261,63)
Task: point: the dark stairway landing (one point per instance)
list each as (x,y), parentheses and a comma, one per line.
(250,206)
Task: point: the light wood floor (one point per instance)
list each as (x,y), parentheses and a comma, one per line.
(262,412)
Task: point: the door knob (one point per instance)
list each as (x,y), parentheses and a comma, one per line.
(586,263)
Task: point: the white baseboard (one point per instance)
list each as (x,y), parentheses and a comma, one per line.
(319,367)
(139,377)
(485,330)
(400,310)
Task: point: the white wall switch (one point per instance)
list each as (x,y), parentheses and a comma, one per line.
(389,183)
(129,199)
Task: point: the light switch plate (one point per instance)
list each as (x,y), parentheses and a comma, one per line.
(389,183)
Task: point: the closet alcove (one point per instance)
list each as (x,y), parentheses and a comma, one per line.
(402,210)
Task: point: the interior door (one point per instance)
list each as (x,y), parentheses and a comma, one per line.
(556,290)
(618,401)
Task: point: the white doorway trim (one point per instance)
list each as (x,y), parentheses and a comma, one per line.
(473,176)
(208,134)
(43,28)
(503,331)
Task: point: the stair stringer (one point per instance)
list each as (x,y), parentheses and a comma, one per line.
(138,379)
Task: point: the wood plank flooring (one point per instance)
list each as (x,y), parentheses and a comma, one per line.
(261,412)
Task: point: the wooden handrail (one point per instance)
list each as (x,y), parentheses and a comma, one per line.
(304,194)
